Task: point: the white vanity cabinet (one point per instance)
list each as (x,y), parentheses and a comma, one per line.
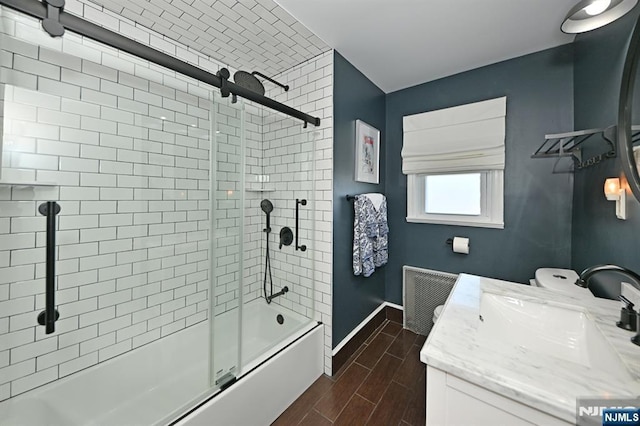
(452,401)
(506,354)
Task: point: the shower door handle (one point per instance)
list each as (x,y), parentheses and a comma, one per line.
(50,315)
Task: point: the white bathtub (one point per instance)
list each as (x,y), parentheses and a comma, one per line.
(157,383)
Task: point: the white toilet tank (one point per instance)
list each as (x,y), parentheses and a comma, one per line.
(560,280)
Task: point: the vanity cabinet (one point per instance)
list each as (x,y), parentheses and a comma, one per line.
(452,401)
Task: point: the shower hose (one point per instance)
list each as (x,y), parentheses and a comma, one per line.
(267,269)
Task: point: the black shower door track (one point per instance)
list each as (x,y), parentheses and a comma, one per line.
(38,9)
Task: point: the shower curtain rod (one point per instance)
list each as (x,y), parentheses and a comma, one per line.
(40,10)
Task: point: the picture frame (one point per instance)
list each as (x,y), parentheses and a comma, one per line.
(367,153)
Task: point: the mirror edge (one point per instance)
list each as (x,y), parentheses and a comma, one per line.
(625,144)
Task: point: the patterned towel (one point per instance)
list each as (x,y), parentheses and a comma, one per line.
(370,236)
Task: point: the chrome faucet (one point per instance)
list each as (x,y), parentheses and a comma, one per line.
(583,279)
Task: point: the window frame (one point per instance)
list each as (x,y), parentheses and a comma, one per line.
(491,201)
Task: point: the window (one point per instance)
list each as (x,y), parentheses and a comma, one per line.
(453,194)
(466,199)
(454,160)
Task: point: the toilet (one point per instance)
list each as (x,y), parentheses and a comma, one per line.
(559,280)
(436,312)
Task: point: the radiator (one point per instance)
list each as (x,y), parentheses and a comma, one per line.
(422,291)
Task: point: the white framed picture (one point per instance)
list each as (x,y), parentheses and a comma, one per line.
(367,166)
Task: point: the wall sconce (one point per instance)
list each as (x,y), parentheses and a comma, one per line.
(614,192)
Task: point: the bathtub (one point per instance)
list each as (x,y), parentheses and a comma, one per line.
(167,381)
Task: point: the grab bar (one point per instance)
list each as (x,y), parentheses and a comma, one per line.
(50,315)
(304,203)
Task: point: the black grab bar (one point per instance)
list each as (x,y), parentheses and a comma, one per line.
(50,315)
(304,203)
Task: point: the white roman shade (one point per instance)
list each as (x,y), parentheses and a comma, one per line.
(463,138)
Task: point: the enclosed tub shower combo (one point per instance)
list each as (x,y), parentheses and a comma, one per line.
(157,227)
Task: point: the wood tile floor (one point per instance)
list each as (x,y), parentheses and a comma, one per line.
(383,383)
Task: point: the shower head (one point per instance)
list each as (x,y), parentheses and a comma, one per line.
(248,81)
(266,206)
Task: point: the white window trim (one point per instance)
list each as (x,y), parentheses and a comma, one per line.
(492,202)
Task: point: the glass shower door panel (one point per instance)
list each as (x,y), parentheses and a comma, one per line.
(227,204)
(132,279)
(279,290)
(289,162)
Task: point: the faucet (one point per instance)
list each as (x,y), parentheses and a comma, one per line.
(583,279)
(627,315)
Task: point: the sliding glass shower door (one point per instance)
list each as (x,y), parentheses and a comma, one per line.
(262,236)
(125,154)
(227,183)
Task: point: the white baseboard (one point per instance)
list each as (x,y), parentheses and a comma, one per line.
(393,305)
(364,323)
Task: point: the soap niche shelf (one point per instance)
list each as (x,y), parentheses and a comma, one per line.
(259,183)
(256,189)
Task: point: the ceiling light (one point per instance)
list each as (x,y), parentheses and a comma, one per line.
(597,7)
(588,15)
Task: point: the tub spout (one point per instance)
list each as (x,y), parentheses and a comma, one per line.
(280,293)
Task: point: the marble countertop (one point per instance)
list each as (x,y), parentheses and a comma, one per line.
(544,382)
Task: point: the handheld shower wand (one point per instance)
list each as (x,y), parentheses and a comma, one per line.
(285,238)
(267,208)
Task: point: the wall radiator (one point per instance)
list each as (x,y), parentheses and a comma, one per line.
(422,291)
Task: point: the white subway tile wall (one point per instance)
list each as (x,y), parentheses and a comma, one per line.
(130,270)
(288,165)
(127,143)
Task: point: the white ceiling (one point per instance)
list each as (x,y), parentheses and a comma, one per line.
(401,43)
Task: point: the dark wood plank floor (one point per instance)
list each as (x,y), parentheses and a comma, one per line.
(382,384)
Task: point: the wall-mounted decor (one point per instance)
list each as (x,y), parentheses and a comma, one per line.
(367,153)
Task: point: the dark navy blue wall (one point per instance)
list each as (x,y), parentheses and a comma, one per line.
(550,220)
(354,97)
(598,236)
(539,90)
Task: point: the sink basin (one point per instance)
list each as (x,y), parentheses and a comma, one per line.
(560,331)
